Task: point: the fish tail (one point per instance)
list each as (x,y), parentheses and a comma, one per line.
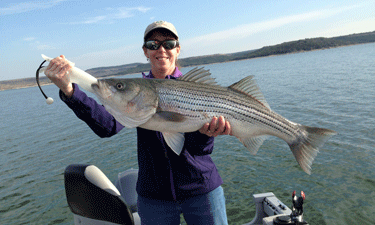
(306,146)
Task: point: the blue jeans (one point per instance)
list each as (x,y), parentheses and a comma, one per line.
(206,209)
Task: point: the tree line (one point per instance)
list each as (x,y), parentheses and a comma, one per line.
(308,44)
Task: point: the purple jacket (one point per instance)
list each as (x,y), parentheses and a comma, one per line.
(162,174)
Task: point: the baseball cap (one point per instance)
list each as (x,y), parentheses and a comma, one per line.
(160,24)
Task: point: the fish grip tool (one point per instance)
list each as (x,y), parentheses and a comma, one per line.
(49,100)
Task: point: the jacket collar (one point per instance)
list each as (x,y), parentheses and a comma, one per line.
(177,73)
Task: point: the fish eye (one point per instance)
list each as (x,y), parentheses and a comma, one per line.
(120,86)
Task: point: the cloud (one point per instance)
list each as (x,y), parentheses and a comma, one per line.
(35,44)
(246,30)
(44,47)
(28,6)
(113,14)
(118,56)
(92,20)
(29,39)
(359,26)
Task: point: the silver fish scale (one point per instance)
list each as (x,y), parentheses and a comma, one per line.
(175,107)
(201,102)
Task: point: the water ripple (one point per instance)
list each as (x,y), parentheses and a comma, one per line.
(333,88)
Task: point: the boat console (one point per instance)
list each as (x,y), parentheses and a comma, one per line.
(94,199)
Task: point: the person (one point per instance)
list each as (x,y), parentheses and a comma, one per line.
(168,184)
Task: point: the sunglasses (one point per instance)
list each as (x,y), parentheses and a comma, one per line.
(155,45)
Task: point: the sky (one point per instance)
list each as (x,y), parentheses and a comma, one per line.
(100,33)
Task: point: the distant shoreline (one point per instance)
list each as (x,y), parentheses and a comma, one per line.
(45,83)
(292,47)
(25,86)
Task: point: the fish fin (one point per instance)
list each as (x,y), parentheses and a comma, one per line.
(198,75)
(253,143)
(46,58)
(175,141)
(249,87)
(127,121)
(306,148)
(170,116)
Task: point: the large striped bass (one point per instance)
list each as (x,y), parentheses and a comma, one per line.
(186,104)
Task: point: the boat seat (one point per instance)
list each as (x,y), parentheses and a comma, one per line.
(91,194)
(126,184)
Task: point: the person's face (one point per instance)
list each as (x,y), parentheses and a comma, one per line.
(162,60)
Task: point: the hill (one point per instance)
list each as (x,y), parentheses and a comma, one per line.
(283,48)
(311,44)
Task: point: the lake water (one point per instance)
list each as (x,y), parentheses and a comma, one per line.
(332,88)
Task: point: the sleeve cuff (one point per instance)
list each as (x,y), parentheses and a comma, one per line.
(65,98)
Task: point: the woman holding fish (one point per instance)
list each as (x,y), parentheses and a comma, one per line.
(168,184)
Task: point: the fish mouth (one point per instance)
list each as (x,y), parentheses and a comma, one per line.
(101,89)
(95,86)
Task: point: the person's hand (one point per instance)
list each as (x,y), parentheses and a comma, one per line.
(218,126)
(58,72)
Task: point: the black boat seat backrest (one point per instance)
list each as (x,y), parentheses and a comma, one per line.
(91,194)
